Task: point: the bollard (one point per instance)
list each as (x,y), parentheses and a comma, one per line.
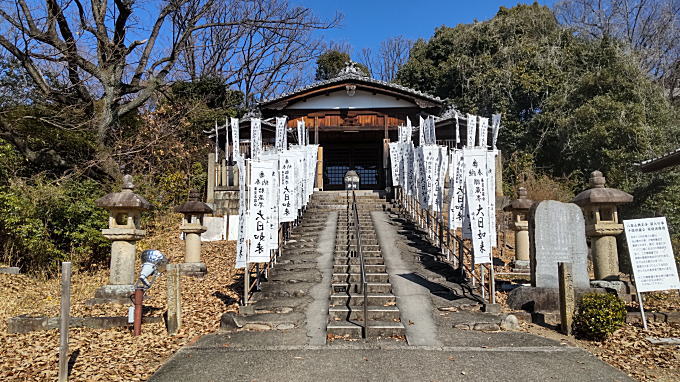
(566,287)
(174,299)
(64,320)
(138,300)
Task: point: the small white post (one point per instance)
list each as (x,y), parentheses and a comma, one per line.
(64,320)
(642,309)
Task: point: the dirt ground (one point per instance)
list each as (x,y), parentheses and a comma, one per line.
(113,354)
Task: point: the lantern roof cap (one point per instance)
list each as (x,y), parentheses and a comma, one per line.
(194,205)
(125,198)
(599,194)
(521,203)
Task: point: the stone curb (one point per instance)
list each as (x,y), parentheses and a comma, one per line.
(26,324)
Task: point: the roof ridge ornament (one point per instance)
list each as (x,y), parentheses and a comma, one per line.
(351,69)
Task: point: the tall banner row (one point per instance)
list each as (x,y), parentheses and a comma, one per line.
(275,186)
(421,172)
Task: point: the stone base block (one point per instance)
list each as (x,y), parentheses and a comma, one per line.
(112,294)
(25,324)
(193,269)
(521,265)
(535,299)
(10,270)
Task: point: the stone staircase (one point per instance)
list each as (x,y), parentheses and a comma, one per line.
(346,306)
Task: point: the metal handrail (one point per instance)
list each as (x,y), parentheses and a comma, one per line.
(362,265)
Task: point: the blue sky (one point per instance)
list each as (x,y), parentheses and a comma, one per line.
(368,22)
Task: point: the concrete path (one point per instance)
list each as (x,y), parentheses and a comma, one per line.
(431,306)
(413,299)
(317,311)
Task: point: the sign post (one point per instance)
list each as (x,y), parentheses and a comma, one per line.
(651,257)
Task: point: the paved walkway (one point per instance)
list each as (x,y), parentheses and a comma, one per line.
(433,310)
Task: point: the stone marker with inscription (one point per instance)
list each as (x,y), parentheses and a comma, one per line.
(557,232)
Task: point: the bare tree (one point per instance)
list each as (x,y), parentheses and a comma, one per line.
(393,53)
(650,27)
(106,55)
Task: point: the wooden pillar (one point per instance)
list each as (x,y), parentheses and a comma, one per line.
(174,299)
(210,197)
(316,130)
(566,287)
(319,169)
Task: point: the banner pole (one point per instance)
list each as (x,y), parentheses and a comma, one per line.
(642,309)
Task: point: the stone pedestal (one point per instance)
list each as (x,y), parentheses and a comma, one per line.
(605,256)
(122,265)
(521,245)
(192,227)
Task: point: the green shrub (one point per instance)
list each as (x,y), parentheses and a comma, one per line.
(43,223)
(598,316)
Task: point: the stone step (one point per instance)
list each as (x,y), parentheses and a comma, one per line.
(364,247)
(371,287)
(342,241)
(353,329)
(356,277)
(356,299)
(367,254)
(356,312)
(344,268)
(368,260)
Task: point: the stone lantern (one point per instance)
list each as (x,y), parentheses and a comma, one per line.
(599,205)
(192,226)
(520,224)
(351,180)
(124,231)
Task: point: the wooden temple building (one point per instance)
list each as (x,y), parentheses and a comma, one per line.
(352,117)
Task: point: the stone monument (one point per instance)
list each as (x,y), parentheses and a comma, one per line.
(192,226)
(557,234)
(599,205)
(125,209)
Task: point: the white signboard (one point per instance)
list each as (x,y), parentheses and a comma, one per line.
(491,187)
(651,254)
(495,128)
(478,203)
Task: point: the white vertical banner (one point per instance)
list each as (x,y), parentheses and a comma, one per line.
(287,207)
(235,140)
(300,132)
(471,130)
(242,244)
(409,130)
(280,141)
(483,132)
(395,162)
(226,140)
(259,211)
(495,127)
(273,202)
(491,186)
(457,128)
(442,167)
(457,196)
(430,157)
(477,197)
(421,132)
(255,138)
(409,168)
(432,136)
(217,145)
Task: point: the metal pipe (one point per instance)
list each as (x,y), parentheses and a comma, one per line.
(138,298)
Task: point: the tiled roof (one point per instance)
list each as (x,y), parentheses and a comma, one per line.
(659,163)
(354,75)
